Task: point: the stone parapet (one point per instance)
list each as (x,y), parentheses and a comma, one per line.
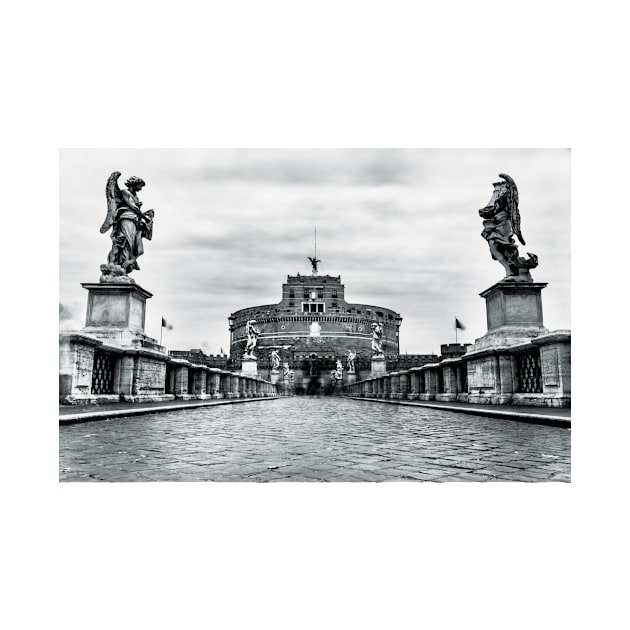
(486,376)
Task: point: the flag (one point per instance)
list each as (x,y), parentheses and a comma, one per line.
(166,325)
(221,350)
(459,325)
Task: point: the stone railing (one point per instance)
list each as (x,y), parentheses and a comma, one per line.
(536,373)
(93,371)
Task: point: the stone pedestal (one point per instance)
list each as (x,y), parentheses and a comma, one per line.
(514,317)
(249,367)
(275,376)
(379,367)
(351,378)
(513,313)
(116,314)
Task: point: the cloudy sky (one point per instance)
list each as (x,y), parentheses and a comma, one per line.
(399,225)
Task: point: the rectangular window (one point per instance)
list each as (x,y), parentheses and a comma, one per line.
(312,307)
(291,293)
(320,294)
(334,293)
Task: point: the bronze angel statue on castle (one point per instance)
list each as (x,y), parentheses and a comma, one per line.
(129,226)
(502,221)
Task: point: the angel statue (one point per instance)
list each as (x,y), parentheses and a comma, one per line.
(129,226)
(275,360)
(502,221)
(377,339)
(252,339)
(352,355)
(314,262)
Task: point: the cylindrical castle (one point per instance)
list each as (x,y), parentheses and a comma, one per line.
(313,327)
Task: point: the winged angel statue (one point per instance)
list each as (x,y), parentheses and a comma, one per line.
(501,221)
(129,226)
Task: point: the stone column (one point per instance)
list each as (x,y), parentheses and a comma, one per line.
(214,384)
(181,380)
(226,384)
(242,387)
(555,363)
(404,385)
(386,386)
(462,389)
(450,384)
(430,381)
(507,374)
(199,383)
(394,385)
(414,385)
(234,386)
(123,378)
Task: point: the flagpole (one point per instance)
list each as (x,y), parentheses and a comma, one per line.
(161,329)
(456,331)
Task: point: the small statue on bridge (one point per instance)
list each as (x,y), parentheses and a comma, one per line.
(339,370)
(377,339)
(275,360)
(288,372)
(252,339)
(352,355)
(129,226)
(502,221)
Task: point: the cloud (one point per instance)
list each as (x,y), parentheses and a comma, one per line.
(399,225)
(64,312)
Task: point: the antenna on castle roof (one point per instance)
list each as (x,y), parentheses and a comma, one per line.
(314,260)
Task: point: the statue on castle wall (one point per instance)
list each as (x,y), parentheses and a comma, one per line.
(352,355)
(377,339)
(275,360)
(314,262)
(315,329)
(252,339)
(129,225)
(501,221)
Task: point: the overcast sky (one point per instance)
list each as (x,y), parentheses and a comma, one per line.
(399,225)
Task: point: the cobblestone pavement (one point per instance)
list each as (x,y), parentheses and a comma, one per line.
(313,439)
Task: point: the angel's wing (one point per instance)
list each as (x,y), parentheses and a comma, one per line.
(515,215)
(114,198)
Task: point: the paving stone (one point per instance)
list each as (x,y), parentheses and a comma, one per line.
(311,440)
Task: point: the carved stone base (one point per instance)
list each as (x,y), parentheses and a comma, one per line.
(275,376)
(249,367)
(379,367)
(116,314)
(513,313)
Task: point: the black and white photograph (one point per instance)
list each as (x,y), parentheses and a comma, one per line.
(322,315)
(313,270)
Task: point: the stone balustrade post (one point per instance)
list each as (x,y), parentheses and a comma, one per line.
(181,380)
(234,386)
(386,386)
(414,385)
(394,385)
(214,386)
(404,385)
(123,378)
(199,382)
(430,384)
